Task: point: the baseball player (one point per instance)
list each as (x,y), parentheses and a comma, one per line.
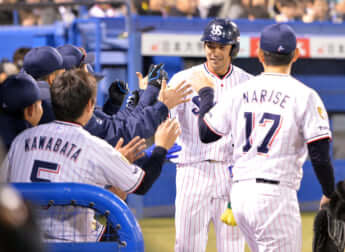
(62,151)
(20,106)
(44,64)
(203,178)
(274,121)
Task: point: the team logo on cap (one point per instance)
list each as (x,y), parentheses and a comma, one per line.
(322,113)
(217,30)
(280,48)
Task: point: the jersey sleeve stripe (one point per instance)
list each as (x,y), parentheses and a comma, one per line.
(211,128)
(325,136)
(138,183)
(101,233)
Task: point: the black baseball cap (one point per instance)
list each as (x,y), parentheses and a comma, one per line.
(74,56)
(278,38)
(19,91)
(41,61)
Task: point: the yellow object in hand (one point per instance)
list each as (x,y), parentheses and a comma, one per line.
(228,216)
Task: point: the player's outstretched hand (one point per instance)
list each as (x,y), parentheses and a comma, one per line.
(166,133)
(156,75)
(199,81)
(172,97)
(142,80)
(324,200)
(133,150)
(117,91)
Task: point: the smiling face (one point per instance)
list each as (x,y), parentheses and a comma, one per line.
(218,57)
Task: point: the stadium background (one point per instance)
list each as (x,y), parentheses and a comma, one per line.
(123,45)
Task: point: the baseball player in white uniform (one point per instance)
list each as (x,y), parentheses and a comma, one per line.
(203,176)
(274,120)
(62,151)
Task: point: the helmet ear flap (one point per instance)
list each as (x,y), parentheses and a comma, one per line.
(234,50)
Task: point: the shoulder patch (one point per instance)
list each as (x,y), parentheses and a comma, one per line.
(322,113)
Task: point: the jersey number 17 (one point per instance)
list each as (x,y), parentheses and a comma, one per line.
(269,137)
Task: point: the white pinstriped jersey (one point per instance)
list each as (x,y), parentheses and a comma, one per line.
(193,150)
(65,152)
(271,118)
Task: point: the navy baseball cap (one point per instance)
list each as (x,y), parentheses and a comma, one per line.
(18,91)
(74,56)
(278,38)
(41,61)
(98,76)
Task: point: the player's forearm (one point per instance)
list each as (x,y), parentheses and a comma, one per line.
(148,96)
(206,103)
(152,168)
(321,161)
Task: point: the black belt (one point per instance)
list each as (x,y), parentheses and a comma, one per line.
(267,181)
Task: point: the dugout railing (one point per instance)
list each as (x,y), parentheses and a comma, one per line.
(105,204)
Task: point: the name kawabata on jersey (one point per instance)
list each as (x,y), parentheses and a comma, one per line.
(65,152)
(260,115)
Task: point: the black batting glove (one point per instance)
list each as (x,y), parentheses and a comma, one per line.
(117,92)
(156,75)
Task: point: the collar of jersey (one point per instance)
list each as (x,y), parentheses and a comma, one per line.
(275,74)
(68,123)
(215,75)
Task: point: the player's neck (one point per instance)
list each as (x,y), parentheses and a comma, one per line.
(220,72)
(83,119)
(79,122)
(277,69)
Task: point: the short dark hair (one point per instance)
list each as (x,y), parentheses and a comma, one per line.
(18,56)
(276,59)
(70,93)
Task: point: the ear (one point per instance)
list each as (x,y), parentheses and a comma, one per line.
(51,78)
(28,112)
(296,56)
(90,105)
(260,54)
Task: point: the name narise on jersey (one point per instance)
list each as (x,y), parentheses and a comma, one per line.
(44,143)
(264,95)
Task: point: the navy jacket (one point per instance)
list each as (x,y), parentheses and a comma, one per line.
(10,128)
(142,121)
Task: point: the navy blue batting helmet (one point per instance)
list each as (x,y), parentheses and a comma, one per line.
(223,31)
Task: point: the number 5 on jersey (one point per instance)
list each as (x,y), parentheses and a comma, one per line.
(43,166)
(264,147)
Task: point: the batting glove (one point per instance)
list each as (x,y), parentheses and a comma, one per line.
(133,99)
(170,154)
(156,75)
(117,92)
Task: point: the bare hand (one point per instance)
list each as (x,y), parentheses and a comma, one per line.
(115,190)
(324,200)
(199,81)
(142,80)
(166,133)
(172,97)
(133,150)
